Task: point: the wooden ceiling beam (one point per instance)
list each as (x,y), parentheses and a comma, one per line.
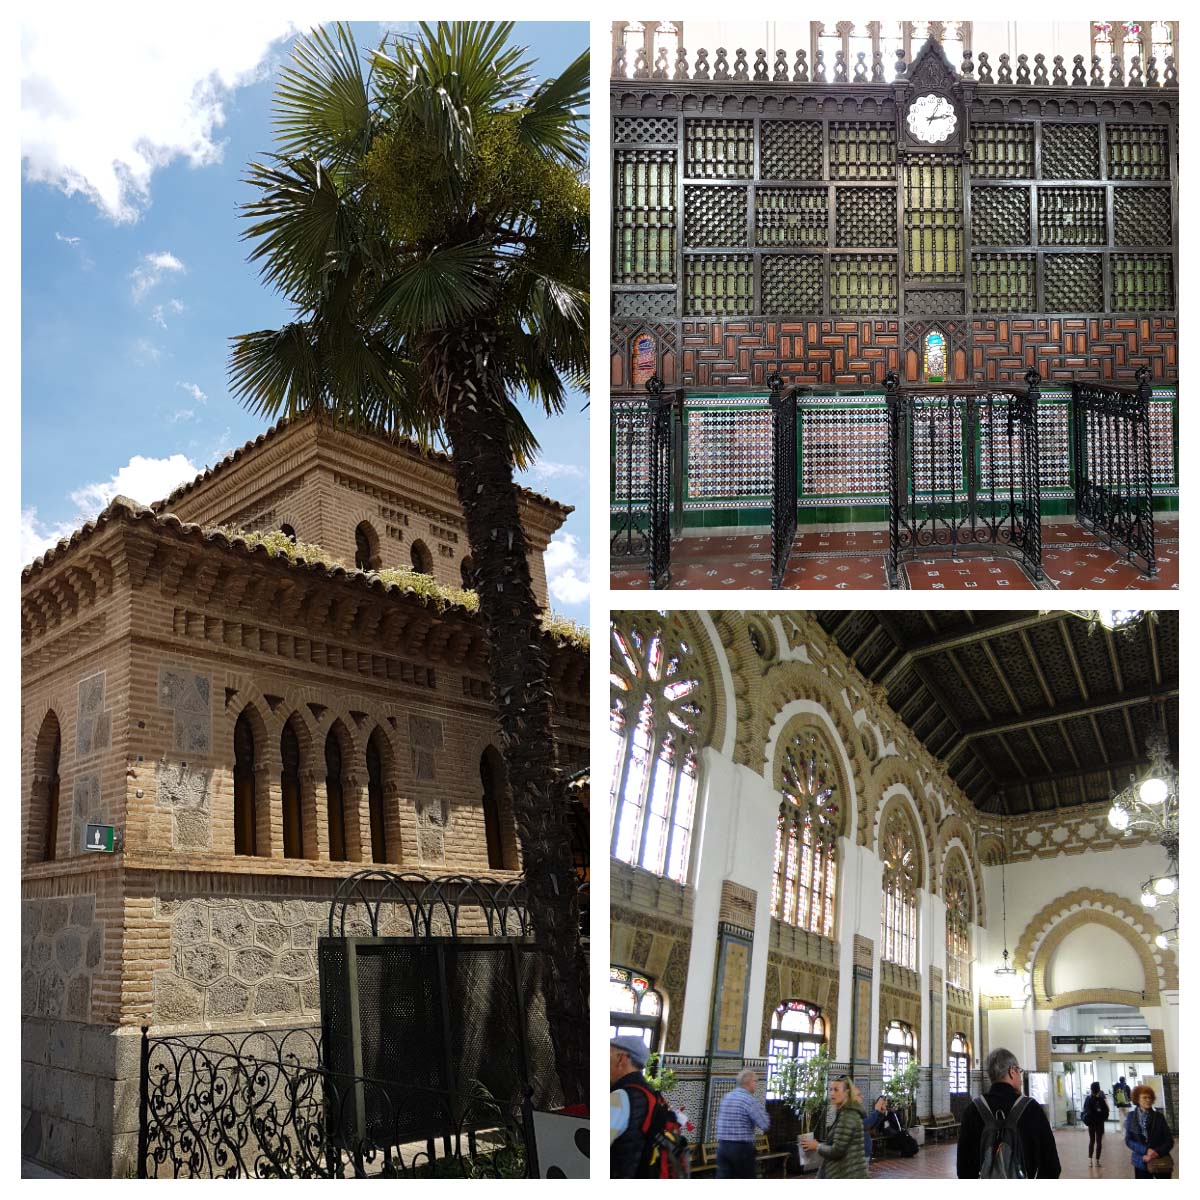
(1090,709)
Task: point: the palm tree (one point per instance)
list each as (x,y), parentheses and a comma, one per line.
(428,223)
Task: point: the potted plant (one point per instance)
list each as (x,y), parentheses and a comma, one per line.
(901,1090)
(802,1084)
(660,1078)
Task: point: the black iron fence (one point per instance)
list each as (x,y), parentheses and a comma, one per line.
(661,411)
(1113,483)
(783,477)
(629,505)
(262,1104)
(963,471)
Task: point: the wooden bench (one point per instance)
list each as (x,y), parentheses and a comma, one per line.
(764,1156)
(704,1159)
(941,1127)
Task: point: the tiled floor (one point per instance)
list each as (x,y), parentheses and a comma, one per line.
(847,559)
(938,1162)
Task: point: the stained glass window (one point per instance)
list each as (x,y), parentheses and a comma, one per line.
(634,1006)
(901,878)
(652,721)
(959,917)
(886,37)
(1126,39)
(797,1031)
(805,882)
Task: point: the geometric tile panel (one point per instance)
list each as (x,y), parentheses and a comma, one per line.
(729,453)
(845,452)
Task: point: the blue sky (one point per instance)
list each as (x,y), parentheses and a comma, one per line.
(134,141)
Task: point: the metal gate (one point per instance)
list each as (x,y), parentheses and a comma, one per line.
(963,472)
(1111,445)
(783,477)
(660,411)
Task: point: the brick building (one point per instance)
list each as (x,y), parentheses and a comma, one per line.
(256,727)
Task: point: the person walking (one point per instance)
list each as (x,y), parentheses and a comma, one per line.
(1121,1099)
(739,1119)
(629,1153)
(842,1151)
(1095,1113)
(1005,1134)
(1148,1137)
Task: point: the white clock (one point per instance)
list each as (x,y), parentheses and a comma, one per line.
(931,119)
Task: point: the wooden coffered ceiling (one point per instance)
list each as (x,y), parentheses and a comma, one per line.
(1029,711)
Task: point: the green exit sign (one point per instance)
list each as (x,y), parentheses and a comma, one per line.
(99,838)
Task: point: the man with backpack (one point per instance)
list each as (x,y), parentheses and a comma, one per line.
(651,1145)
(1121,1094)
(1004,1134)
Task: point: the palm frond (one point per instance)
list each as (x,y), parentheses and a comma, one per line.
(437,289)
(277,372)
(322,105)
(553,121)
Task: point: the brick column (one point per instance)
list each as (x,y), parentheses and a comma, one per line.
(312,816)
(268,807)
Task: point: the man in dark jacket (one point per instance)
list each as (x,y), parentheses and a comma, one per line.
(1039,1153)
(626,1057)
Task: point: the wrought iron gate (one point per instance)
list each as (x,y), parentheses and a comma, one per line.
(963,471)
(783,480)
(1111,444)
(629,502)
(660,411)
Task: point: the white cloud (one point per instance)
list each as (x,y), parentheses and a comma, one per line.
(568,573)
(183,414)
(142,479)
(108,98)
(173,306)
(145,352)
(555,470)
(194,391)
(150,271)
(71,241)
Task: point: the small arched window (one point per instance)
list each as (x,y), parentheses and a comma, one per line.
(497,815)
(46,755)
(899,1048)
(797,1032)
(245,811)
(634,1006)
(422,560)
(335,798)
(379,849)
(466,569)
(366,548)
(288,532)
(293,827)
(960,1063)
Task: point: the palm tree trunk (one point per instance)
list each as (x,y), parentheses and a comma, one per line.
(457,365)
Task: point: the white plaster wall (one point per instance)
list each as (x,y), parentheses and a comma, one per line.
(1094,956)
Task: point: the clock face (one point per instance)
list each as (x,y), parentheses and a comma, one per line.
(931,118)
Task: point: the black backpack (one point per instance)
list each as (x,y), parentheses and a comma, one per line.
(665,1152)
(1000,1154)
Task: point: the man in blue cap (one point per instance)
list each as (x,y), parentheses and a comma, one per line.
(629,1152)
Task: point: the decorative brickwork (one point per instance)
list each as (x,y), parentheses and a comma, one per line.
(737,905)
(802,978)
(1041,1049)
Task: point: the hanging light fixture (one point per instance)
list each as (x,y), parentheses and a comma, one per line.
(1149,805)
(1006,974)
(1112,620)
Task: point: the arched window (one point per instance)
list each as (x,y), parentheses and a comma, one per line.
(288,532)
(806,838)
(797,1031)
(466,569)
(960,1063)
(335,798)
(289,783)
(422,560)
(366,548)
(899,1048)
(959,917)
(634,1007)
(43,840)
(245,810)
(653,725)
(379,848)
(901,878)
(499,831)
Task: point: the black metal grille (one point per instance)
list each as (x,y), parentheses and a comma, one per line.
(1070,151)
(1142,216)
(793,283)
(644,216)
(1073,283)
(783,479)
(866,217)
(1071,216)
(792,150)
(1000,216)
(645,129)
(1113,484)
(660,413)
(1003,283)
(718,285)
(718,149)
(630,476)
(963,472)
(790,217)
(863,284)
(862,150)
(714,216)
